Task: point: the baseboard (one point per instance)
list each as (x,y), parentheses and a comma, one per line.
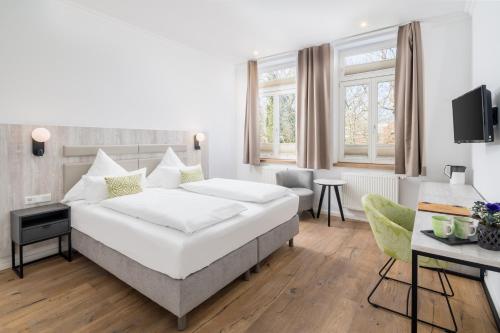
(347,214)
(6,262)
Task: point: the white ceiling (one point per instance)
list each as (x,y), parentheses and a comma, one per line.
(235,28)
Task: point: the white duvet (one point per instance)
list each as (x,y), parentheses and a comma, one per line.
(187,212)
(237,189)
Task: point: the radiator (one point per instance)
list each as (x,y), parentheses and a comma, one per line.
(361,184)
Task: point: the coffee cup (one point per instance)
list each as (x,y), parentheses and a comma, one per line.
(442,226)
(464,227)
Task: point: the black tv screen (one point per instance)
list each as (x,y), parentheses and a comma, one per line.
(472,116)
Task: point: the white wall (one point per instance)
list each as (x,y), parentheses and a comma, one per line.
(486,70)
(61,64)
(447,61)
(447,75)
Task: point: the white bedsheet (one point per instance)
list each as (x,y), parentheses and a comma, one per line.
(233,189)
(173,252)
(187,212)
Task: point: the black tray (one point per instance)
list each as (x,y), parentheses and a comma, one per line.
(451,240)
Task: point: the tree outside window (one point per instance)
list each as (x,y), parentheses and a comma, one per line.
(278,113)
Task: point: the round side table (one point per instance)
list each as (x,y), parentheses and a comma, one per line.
(329,183)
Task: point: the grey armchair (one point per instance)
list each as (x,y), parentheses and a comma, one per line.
(301,183)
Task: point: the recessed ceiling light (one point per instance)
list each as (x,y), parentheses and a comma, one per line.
(363,24)
(255,53)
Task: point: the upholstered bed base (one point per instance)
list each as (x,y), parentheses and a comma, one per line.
(181,296)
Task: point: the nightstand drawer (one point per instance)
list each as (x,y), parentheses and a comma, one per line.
(44,231)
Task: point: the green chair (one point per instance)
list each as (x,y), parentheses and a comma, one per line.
(392,227)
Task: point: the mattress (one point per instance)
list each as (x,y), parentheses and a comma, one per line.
(173,252)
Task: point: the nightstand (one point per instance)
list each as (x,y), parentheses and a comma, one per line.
(36,224)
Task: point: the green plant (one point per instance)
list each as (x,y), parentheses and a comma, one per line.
(489,213)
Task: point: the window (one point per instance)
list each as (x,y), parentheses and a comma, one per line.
(277,110)
(388,53)
(367,105)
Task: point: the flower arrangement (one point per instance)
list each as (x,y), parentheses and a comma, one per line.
(488,229)
(488,212)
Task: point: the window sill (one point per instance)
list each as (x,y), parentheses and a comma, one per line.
(277,161)
(365,166)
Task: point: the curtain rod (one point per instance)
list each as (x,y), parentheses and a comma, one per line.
(361,34)
(281,54)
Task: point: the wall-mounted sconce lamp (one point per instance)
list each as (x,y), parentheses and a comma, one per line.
(199,137)
(39,137)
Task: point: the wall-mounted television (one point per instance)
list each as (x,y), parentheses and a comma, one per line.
(473,116)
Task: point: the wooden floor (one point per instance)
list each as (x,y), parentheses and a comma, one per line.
(320,285)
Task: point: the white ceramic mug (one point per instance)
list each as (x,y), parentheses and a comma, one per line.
(442,226)
(464,227)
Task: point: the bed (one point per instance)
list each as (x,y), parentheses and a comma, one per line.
(178,271)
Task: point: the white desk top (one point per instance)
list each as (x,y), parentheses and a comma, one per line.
(463,195)
(330,182)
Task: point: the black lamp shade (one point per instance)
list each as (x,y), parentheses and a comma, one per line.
(38,148)
(196,143)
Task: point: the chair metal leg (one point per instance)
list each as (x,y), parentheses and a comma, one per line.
(447,298)
(383,276)
(408,302)
(445,293)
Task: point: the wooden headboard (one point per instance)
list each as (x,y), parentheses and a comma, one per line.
(72,172)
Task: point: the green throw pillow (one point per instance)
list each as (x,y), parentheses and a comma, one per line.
(124,185)
(191,174)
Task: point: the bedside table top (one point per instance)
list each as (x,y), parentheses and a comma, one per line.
(330,182)
(39,209)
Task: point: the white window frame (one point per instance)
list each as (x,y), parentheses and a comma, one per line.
(372,79)
(274,63)
(276,92)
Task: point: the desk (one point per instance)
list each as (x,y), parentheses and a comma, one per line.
(422,245)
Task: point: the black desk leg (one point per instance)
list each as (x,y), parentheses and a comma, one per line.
(414,291)
(21,261)
(69,255)
(339,203)
(329,203)
(70,251)
(321,200)
(13,252)
(19,269)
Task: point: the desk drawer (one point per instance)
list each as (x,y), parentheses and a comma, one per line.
(43,231)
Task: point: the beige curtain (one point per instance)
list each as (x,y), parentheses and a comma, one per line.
(409,102)
(313,107)
(251,141)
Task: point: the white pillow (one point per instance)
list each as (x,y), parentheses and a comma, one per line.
(96,190)
(165,177)
(170,159)
(75,193)
(103,166)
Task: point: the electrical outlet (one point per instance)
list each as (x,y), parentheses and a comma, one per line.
(34,199)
